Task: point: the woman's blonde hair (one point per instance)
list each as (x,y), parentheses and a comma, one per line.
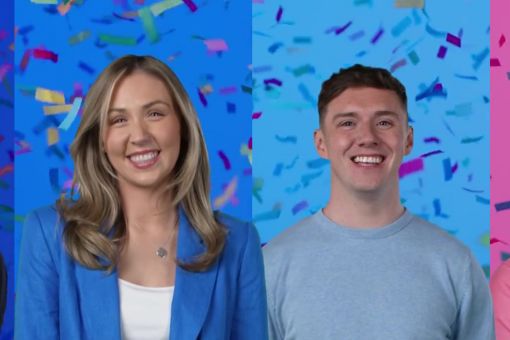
(95,225)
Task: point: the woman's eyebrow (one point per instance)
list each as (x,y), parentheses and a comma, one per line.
(145,106)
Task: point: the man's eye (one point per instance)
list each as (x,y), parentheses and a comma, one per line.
(385,123)
(346,123)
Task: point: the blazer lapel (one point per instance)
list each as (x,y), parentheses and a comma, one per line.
(193,291)
(99,301)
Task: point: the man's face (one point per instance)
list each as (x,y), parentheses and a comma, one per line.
(365,135)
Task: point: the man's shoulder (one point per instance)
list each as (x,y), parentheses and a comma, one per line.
(292,238)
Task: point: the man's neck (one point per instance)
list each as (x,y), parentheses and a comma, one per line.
(365,210)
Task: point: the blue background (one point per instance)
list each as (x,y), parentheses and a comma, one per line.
(287,171)
(181,45)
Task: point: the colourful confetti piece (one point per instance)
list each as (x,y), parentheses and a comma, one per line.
(454,40)
(38,53)
(216,45)
(225,160)
(53,136)
(149,26)
(502,40)
(287,139)
(229,192)
(409,3)
(410,167)
(377,36)
(399,28)
(502,206)
(45,2)
(495,62)
(71,116)
(299,206)
(441,52)
(191,5)
(162,6)
(49,96)
(117,40)
(279,14)
(256,115)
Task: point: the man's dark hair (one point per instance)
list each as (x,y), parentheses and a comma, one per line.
(359,76)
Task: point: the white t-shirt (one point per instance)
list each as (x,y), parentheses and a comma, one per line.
(145,311)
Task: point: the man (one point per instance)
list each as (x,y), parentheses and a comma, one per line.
(364,267)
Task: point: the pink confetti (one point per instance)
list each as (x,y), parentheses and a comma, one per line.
(495,62)
(216,45)
(452,39)
(249,144)
(3,70)
(442,52)
(40,53)
(279,14)
(224,158)
(191,5)
(410,167)
(25,59)
(256,115)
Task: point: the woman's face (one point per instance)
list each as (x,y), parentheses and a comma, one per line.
(142,135)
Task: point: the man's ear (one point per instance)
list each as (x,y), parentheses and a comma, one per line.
(320,143)
(409,140)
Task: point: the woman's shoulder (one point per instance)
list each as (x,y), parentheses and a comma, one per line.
(240,234)
(43,224)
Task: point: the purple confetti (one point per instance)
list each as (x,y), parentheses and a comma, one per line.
(224,158)
(299,206)
(228,90)
(191,5)
(432,140)
(431,153)
(442,52)
(203,100)
(377,36)
(343,28)
(273,81)
(279,14)
(85,67)
(398,65)
(410,167)
(453,40)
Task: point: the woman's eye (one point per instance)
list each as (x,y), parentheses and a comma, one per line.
(155,114)
(118,120)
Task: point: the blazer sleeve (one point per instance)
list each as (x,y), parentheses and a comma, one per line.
(36,307)
(250,316)
(475,319)
(500,288)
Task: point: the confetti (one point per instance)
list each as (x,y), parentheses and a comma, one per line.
(279,14)
(4,69)
(162,6)
(287,139)
(71,116)
(431,153)
(414,57)
(225,160)
(274,47)
(305,69)
(191,5)
(256,115)
(343,28)
(85,67)
(409,3)
(454,40)
(6,169)
(149,26)
(317,163)
(398,65)
(307,178)
(116,40)
(269,215)
(377,36)
(299,206)
(53,173)
(404,24)
(79,37)
(228,90)
(432,140)
(502,206)
(410,167)
(302,40)
(231,107)
(44,2)
(273,81)
(441,52)
(502,40)
(53,136)
(229,192)
(495,62)
(38,53)
(216,45)
(468,140)
(49,96)
(202,98)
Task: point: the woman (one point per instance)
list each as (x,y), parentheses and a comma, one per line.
(141,236)
(500,289)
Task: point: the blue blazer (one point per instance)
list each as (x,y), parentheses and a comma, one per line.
(58,298)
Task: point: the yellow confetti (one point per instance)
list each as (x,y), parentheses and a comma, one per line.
(206,89)
(409,3)
(53,136)
(162,6)
(227,194)
(56,109)
(49,96)
(245,151)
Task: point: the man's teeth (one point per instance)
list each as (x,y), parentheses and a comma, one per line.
(368,159)
(144,157)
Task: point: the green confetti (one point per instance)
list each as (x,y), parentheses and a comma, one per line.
(117,40)
(414,57)
(145,15)
(471,140)
(79,37)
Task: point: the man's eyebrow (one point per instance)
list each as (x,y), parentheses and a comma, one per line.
(145,106)
(386,113)
(344,115)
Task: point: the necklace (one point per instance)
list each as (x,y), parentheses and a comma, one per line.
(161,252)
